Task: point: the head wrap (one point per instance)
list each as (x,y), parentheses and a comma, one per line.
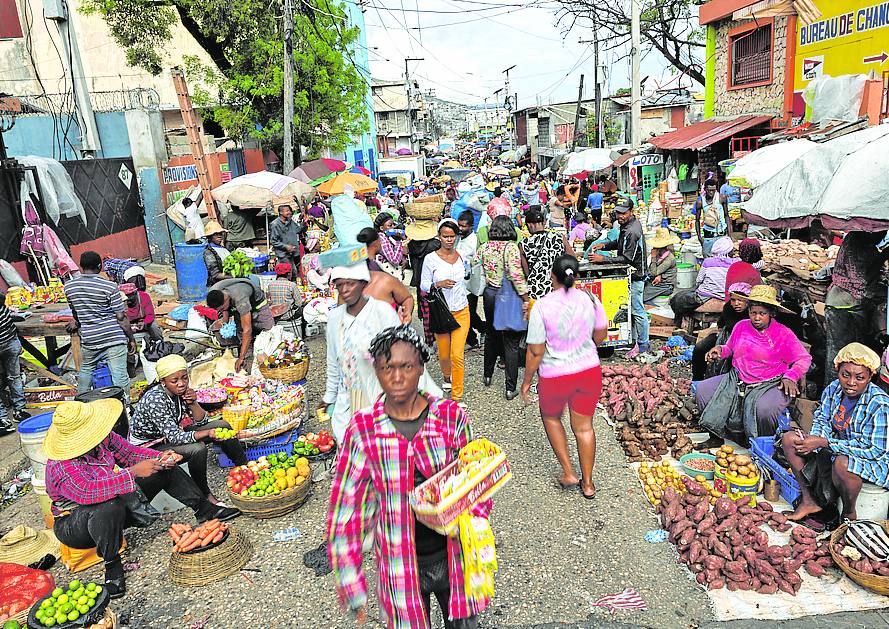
(170,364)
(741,288)
(723,246)
(358,272)
(283,268)
(449,222)
(498,206)
(128,288)
(382,342)
(749,250)
(595,187)
(132,272)
(858,354)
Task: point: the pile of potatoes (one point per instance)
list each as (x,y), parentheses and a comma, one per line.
(739,465)
(657,477)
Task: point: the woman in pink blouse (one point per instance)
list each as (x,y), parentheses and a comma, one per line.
(564,329)
(768,362)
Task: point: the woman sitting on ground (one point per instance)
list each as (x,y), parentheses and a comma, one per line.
(169,417)
(711,279)
(662,267)
(768,362)
(848,436)
(734,310)
(406,437)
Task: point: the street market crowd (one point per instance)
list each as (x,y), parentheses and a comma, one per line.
(430,271)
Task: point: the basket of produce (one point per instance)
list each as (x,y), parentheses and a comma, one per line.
(271,486)
(206,536)
(211,399)
(293,372)
(80,605)
(236,415)
(424,211)
(289,362)
(280,425)
(213,564)
(736,475)
(316,447)
(698,463)
(863,553)
(478,473)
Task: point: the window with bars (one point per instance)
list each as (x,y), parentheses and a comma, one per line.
(752,57)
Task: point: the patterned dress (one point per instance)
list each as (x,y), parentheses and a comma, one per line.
(541,250)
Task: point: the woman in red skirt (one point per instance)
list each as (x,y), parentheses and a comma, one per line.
(563,331)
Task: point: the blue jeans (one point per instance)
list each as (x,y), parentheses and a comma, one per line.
(11,372)
(640,316)
(116,358)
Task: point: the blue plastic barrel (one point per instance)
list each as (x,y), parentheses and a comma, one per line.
(191,272)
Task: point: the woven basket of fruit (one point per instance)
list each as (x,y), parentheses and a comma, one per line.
(282,424)
(291,373)
(865,571)
(214,564)
(271,486)
(81,605)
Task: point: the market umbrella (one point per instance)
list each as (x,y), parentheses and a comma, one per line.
(360,184)
(498,171)
(588,161)
(318,168)
(258,189)
(841,182)
(757,167)
(508,157)
(360,170)
(403,151)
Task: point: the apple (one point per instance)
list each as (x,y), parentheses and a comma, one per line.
(325,447)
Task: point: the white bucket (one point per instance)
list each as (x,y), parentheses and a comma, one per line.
(686,277)
(31,434)
(872,503)
(43,499)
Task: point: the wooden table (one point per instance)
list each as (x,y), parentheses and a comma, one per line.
(35,326)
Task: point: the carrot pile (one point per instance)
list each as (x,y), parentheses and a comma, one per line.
(185,538)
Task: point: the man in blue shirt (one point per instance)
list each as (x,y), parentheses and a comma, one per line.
(594,204)
(731,193)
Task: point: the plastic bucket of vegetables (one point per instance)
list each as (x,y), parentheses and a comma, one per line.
(698,463)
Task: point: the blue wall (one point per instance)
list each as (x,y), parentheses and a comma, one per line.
(38,135)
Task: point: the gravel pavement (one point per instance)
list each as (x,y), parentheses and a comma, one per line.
(557,552)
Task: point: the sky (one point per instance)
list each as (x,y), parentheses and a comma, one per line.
(467,44)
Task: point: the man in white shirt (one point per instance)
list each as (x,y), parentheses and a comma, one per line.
(466,246)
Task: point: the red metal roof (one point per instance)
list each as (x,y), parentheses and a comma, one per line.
(703,134)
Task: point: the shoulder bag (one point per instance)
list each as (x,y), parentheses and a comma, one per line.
(508,312)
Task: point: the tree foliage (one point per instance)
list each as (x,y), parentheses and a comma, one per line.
(243,89)
(668,26)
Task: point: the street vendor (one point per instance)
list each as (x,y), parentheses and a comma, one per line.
(283,294)
(99,483)
(140,312)
(734,310)
(239,226)
(284,233)
(662,270)
(746,269)
(710,283)
(406,437)
(848,436)
(168,416)
(215,253)
(241,298)
(768,363)
(11,386)
(853,295)
(711,216)
(630,247)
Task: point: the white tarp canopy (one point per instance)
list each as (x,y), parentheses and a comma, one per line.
(757,167)
(587,161)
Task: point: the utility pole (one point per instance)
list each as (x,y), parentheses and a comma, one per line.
(577,113)
(597,81)
(509,126)
(636,87)
(410,100)
(497,107)
(288,87)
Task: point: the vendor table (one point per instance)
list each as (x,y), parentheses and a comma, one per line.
(35,326)
(610,282)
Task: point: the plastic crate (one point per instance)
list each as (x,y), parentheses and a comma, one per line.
(102,376)
(282,443)
(762,449)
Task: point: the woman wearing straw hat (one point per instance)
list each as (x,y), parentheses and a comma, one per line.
(168,416)
(768,362)
(93,474)
(215,253)
(662,267)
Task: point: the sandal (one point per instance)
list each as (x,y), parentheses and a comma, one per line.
(590,496)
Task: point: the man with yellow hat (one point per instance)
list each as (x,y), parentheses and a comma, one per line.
(215,253)
(662,270)
(94,478)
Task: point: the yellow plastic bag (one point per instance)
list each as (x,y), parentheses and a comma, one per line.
(479,556)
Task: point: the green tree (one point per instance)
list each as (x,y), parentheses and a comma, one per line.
(245,40)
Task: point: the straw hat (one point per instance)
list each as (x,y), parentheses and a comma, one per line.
(421,229)
(213,227)
(663,237)
(23,545)
(764,294)
(78,427)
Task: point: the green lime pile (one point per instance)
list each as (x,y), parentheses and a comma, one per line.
(65,606)
(284,472)
(225,433)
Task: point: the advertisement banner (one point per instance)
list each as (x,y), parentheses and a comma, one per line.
(614,293)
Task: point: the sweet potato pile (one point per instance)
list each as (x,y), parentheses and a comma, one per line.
(651,410)
(725,546)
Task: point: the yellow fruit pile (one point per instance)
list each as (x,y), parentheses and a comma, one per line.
(738,465)
(713,494)
(656,477)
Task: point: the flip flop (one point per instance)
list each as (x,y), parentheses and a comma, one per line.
(588,497)
(565,487)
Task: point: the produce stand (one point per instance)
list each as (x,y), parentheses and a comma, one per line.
(36,327)
(610,282)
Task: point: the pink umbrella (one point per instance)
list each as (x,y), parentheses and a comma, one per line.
(403,151)
(361,170)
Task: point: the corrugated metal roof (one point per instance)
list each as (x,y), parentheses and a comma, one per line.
(703,134)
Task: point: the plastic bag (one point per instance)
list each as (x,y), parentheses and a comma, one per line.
(10,275)
(349,218)
(835,97)
(479,556)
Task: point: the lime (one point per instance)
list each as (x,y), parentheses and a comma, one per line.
(98,589)
(49,611)
(49,622)
(82,609)
(46,603)
(91,602)
(56,593)
(90,587)
(74,584)
(82,599)
(63,598)
(74,615)
(91,594)
(66,608)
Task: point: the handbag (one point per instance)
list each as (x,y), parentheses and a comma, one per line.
(140,513)
(508,312)
(477,281)
(441,321)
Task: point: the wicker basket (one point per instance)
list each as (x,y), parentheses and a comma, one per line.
(872,582)
(236,416)
(262,433)
(424,210)
(196,569)
(291,374)
(273,506)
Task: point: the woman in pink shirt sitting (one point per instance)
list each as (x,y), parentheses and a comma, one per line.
(768,362)
(564,329)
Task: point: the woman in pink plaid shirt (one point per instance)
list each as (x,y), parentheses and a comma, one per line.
(389,449)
